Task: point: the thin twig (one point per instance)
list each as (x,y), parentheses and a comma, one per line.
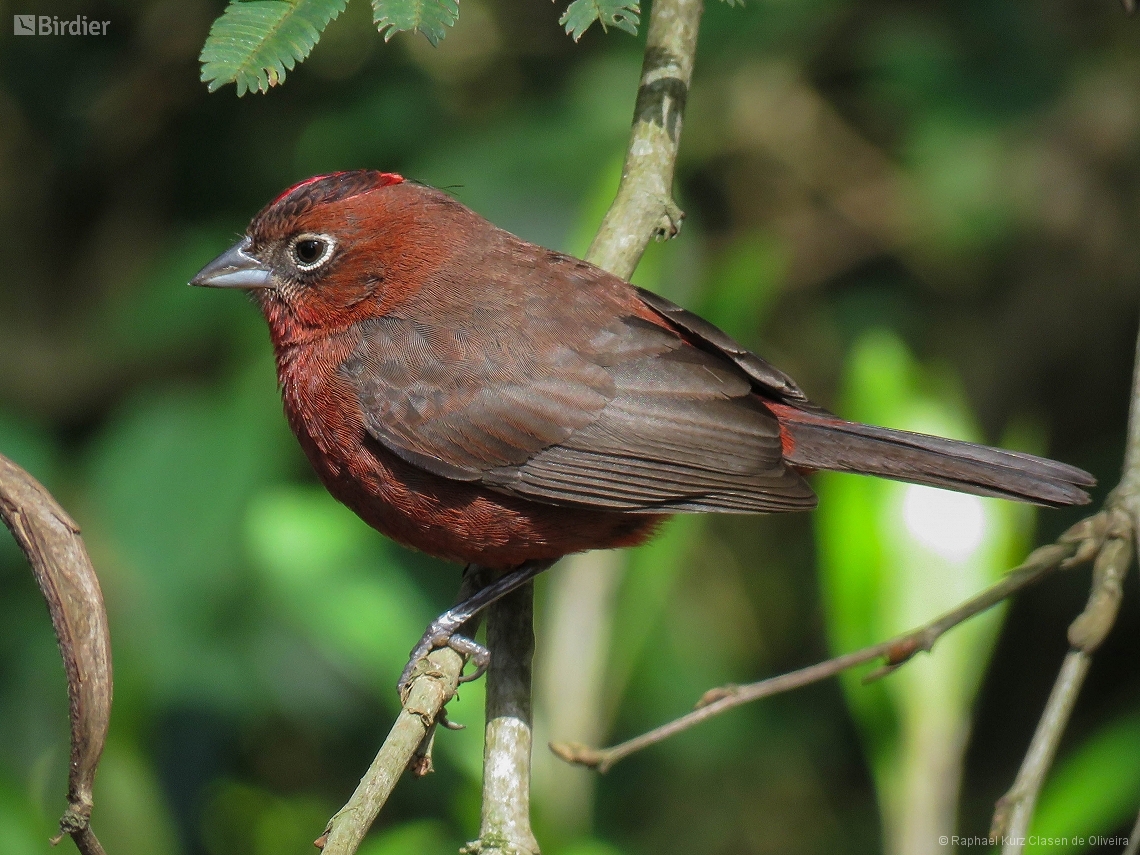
(1127,494)
(51,541)
(1014,810)
(505,827)
(643,208)
(1078,544)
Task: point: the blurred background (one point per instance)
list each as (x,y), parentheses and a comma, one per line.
(928,213)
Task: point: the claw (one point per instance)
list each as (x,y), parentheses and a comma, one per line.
(474,652)
(443,630)
(436,638)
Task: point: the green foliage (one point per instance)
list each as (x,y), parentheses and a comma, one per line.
(424,837)
(651,578)
(743,285)
(895,556)
(133,815)
(22,832)
(581,14)
(341,585)
(255,42)
(429,17)
(239,819)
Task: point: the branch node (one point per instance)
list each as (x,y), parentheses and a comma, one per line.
(76,818)
(672,217)
(420,764)
(717,694)
(580,755)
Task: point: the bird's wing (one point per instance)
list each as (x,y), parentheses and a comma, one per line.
(764,375)
(627,417)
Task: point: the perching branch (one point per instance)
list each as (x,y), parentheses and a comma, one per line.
(50,539)
(431,688)
(505,827)
(1077,545)
(1014,810)
(643,209)
(409,742)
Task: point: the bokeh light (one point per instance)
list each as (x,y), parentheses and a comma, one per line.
(951,524)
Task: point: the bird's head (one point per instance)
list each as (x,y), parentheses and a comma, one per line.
(323,253)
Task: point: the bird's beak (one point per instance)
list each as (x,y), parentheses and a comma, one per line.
(234,268)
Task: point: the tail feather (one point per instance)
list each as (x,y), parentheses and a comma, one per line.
(819,441)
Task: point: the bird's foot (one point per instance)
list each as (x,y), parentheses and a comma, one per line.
(442,633)
(444,630)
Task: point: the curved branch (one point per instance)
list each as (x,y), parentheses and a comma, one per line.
(51,541)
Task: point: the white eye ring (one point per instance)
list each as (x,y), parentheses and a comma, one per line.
(306,261)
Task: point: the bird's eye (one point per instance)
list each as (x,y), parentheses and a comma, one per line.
(311,251)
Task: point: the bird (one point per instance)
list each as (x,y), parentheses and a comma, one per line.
(501,405)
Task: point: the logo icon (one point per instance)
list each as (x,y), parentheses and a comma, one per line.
(24,25)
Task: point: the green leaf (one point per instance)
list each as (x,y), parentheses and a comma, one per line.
(429,17)
(254,43)
(581,14)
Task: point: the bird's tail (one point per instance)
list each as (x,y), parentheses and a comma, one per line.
(822,441)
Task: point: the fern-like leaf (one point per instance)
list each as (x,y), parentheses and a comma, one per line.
(580,14)
(430,17)
(255,42)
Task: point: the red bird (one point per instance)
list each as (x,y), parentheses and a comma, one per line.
(492,402)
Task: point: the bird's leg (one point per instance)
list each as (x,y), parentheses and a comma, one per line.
(456,627)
